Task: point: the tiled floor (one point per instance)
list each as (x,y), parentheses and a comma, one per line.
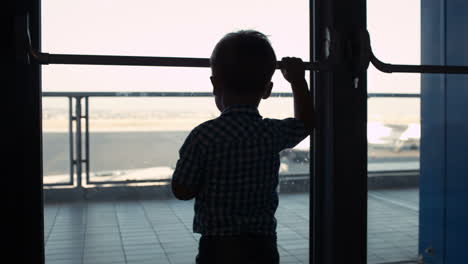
(159,231)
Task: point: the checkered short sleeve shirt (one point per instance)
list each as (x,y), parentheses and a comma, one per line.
(233,161)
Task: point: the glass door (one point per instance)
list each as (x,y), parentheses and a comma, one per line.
(422,218)
(103,226)
(338,202)
(112,133)
(394,134)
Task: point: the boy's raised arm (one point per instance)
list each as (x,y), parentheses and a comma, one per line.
(293,70)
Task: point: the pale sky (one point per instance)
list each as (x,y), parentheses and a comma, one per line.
(395,30)
(187,28)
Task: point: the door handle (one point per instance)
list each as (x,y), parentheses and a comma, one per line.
(402,68)
(363,55)
(46,58)
(391,68)
(26,53)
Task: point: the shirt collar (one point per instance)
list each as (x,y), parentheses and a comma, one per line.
(241,109)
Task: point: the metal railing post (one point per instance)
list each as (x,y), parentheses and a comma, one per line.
(70,136)
(79,159)
(87,138)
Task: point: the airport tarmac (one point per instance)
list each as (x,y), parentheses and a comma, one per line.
(153,155)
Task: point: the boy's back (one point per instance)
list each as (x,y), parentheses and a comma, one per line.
(230,164)
(234,161)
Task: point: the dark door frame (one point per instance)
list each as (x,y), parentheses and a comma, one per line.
(338,227)
(23,145)
(338,199)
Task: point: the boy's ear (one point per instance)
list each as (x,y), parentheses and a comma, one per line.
(217,85)
(268,88)
(213,82)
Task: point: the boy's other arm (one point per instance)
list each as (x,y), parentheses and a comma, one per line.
(181,192)
(188,174)
(294,72)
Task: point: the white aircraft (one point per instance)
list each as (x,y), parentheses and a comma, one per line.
(411,136)
(378,134)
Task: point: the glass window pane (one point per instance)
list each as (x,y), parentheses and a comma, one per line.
(177,28)
(394,133)
(138,138)
(56,140)
(394,40)
(91,78)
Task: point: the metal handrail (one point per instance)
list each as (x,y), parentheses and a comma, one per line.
(327,65)
(141,94)
(28,54)
(401,68)
(76,153)
(47,58)
(195,94)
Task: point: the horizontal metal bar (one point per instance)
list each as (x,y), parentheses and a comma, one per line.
(391,68)
(288,177)
(127,94)
(46,58)
(393,95)
(284,177)
(141,94)
(127,181)
(393,173)
(191,94)
(57,184)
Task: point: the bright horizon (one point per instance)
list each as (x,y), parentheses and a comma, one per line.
(185,28)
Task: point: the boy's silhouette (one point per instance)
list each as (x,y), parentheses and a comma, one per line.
(230,164)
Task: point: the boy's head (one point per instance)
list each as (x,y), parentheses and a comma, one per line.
(243,63)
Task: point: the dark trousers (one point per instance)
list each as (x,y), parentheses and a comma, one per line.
(242,249)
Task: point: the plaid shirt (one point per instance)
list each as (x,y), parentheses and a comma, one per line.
(233,161)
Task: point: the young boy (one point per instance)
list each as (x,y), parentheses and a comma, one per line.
(230,164)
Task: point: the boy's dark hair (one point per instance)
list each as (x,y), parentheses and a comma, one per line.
(244,60)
